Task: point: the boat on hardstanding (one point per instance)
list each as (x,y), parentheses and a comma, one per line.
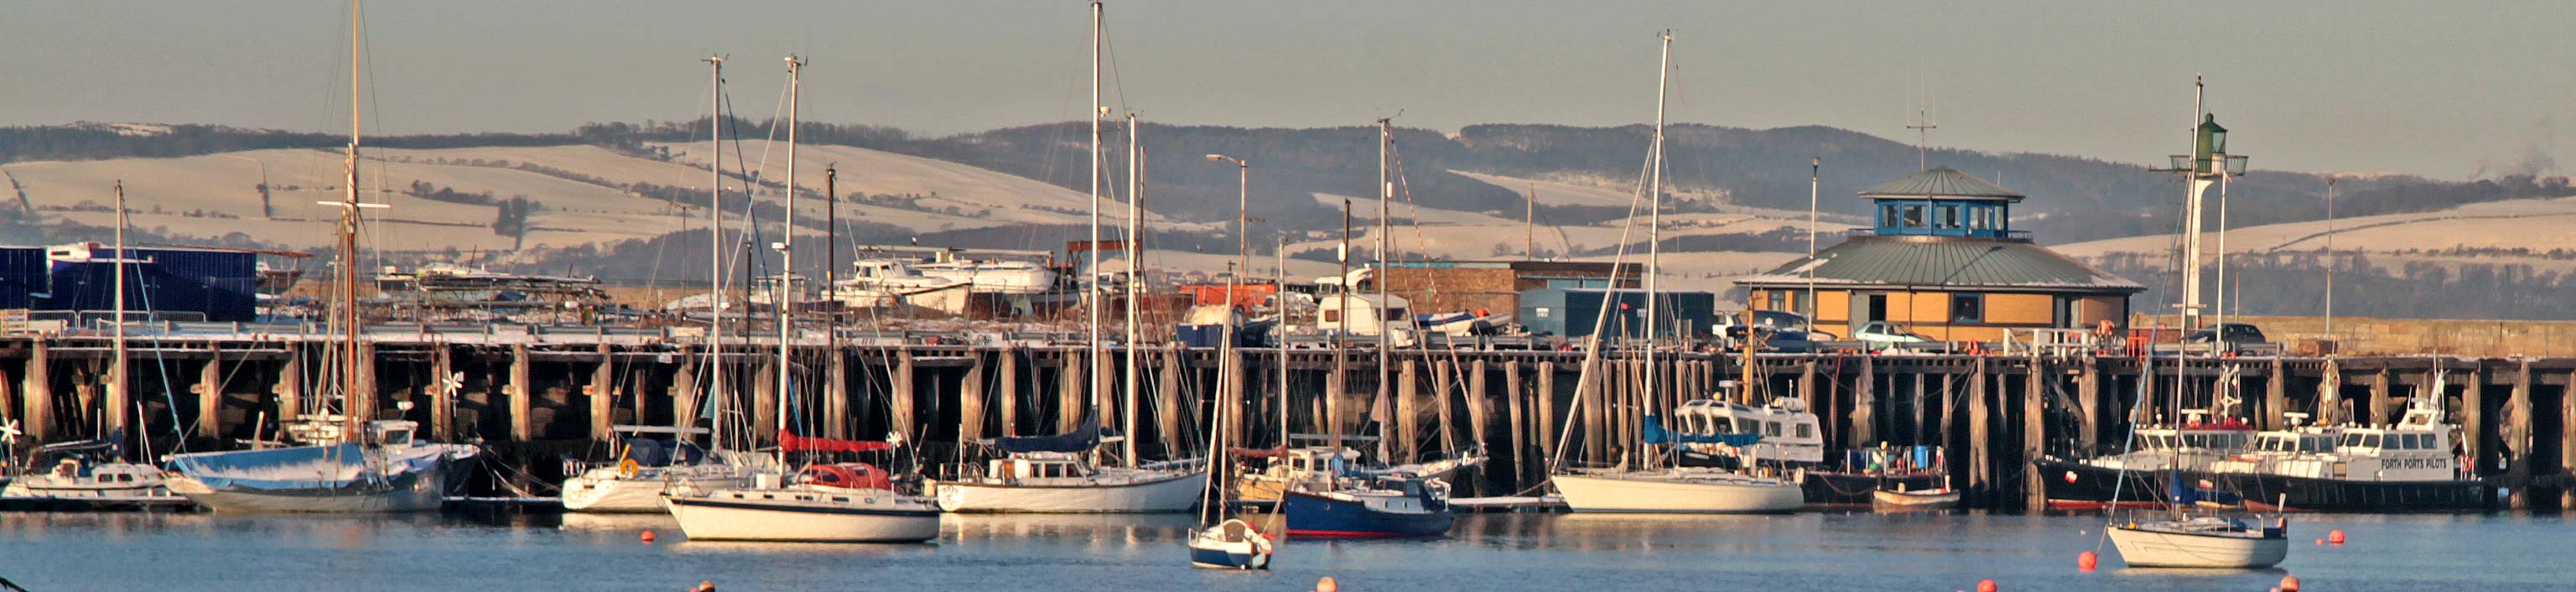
(88,475)
(648,466)
(380,468)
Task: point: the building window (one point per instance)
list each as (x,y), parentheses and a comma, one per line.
(1887,214)
(1913,217)
(1949,216)
(1779,300)
(1967,308)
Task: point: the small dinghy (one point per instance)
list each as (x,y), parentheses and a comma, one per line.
(1919,500)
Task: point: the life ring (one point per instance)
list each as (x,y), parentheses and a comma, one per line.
(627,468)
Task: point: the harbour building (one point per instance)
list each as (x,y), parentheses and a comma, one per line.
(1943,261)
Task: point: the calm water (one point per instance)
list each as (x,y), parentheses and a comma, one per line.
(123,552)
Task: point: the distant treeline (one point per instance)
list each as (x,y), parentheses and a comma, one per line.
(2295,284)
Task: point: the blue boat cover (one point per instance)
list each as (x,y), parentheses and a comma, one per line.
(1080,439)
(1656,434)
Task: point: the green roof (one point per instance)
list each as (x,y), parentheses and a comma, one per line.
(1941,182)
(1944,263)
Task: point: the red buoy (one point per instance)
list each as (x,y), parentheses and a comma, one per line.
(647,537)
(2085,561)
(2335,537)
(1985,586)
(2289,583)
(2321,542)
(2070,476)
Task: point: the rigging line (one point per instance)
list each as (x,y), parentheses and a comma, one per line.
(1592,347)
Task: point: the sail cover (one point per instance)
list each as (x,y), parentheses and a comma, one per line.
(1080,439)
(796,443)
(311,467)
(1656,434)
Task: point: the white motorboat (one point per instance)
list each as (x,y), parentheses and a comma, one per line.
(648,467)
(835,503)
(2202,542)
(88,476)
(1917,500)
(1678,490)
(1064,483)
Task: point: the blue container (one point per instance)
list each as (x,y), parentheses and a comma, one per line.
(22,277)
(183,284)
(1571,312)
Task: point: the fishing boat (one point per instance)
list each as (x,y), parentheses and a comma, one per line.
(2188,448)
(646,467)
(1379,506)
(88,475)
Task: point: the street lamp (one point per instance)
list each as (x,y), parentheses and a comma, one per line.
(1242,216)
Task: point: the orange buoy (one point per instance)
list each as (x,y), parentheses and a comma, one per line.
(2289,583)
(1327,585)
(1985,586)
(2085,561)
(2335,536)
(2321,542)
(647,537)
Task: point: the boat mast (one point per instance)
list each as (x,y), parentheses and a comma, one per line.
(715,244)
(1134,288)
(784,295)
(1385,195)
(1341,356)
(1092,288)
(118,393)
(1655,223)
(349,220)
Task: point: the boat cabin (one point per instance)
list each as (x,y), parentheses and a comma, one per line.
(1038,466)
(1789,432)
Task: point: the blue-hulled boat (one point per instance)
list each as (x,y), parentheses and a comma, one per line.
(1387,506)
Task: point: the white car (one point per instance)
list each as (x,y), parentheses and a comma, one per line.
(1883,336)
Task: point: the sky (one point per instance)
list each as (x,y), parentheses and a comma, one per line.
(2442,89)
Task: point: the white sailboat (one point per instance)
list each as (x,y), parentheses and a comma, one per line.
(342,464)
(1672,489)
(826,503)
(1230,543)
(1055,474)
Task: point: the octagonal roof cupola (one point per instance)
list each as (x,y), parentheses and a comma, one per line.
(1943,201)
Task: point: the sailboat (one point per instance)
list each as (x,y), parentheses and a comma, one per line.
(848,502)
(648,467)
(341,464)
(1231,543)
(1056,474)
(1673,489)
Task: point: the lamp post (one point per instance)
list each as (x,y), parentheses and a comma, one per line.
(2207,164)
(1242,216)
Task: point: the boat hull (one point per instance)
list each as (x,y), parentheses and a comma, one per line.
(418,491)
(2148,548)
(44,495)
(1176,493)
(616,494)
(1311,515)
(2078,486)
(749,520)
(2345,495)
(1835,488)
(1622,494)
(1913,501)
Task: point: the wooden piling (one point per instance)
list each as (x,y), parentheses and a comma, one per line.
(1516,403)
(1071,402)
(2088,394)
(1008,360)
(2518,437)
(836,393)
(365,404)
(1588,396)
(442,393)
(899,394)
(1864,396)
(1408,386)
(1443,386)
(522,426)
(1980,445)
(970,401)
(2276,397)
(602,390)
(764,402)
(1171,411)
(210,395)
(2034,433)
(2379,398)
(684,390)
(1479,402)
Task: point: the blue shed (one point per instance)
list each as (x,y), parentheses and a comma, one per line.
(178,283)
(1571,312)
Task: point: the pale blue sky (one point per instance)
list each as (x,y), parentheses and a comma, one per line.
(2435,88)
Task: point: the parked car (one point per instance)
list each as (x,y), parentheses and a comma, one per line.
(2229,337)
(1884,336)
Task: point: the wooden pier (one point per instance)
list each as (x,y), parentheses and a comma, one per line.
(534,396)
